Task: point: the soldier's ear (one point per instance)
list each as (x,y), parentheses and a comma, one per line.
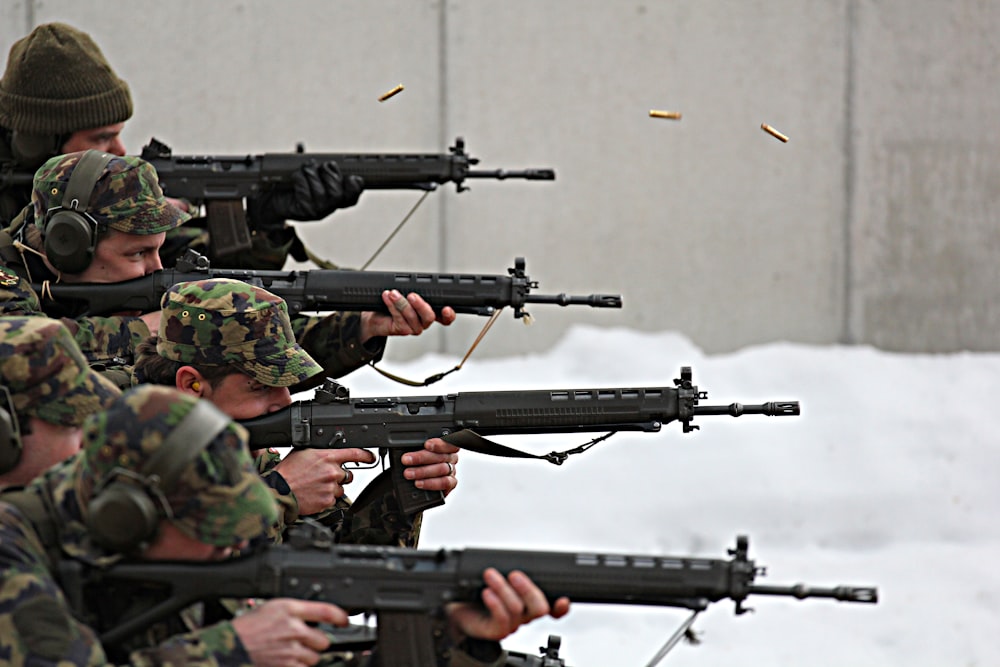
(189,380)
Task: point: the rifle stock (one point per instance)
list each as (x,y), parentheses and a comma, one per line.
(403,587)
(323,290)
(332,419)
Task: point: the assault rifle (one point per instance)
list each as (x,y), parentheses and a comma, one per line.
(221,183)
(321,290)
(396,425)
(405,587)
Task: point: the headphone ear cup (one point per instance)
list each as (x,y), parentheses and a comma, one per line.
(10,442)
(122,516)
(69,241)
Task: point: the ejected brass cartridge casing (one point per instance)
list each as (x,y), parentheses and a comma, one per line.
(774,133)
(398,89)
(671,115)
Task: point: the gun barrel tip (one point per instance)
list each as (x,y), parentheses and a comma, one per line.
(867,594)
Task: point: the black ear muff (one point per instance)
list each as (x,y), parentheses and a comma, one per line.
(70,232)
(126,508)
(10,434)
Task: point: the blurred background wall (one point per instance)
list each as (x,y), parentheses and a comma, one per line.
(875,224)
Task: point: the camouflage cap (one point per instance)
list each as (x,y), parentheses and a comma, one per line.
(127,196)
(224,322)
(46,373)
(16,295)
(217,498)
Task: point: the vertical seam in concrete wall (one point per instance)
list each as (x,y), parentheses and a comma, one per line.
(29,16)
(849,335)
(442,243)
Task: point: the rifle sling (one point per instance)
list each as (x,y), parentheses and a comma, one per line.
(468,439)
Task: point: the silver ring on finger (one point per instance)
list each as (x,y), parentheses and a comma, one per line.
(451,468)
(348,477)
(401,303)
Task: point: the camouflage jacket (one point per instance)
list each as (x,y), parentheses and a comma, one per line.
(37,625)
(334,340)
(375,519)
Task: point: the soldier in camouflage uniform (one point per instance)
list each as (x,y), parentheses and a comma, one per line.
(204,505)
(131,218)
(51,391)
(59,95)
(233,344)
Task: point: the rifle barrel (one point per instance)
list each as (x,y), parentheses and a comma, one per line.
(592,300)
(866,594)
(771,409)
(501,174)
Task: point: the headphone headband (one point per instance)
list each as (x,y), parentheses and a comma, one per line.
(84,179)
(196,430)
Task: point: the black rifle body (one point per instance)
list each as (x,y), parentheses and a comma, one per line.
(222,183)
(320,290)
(333,419)
(405,586)
(201,178)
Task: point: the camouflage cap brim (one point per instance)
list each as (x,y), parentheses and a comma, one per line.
(282,369)
(149,217)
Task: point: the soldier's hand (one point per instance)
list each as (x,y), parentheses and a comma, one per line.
(278,632)
(508,603)
(317,191)
(434,467)
(408,315)
(317,476)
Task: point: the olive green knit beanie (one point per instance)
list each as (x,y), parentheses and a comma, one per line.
(57,81)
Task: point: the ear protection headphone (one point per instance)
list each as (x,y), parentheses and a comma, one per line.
(70,232)
(126,507)
(10,434)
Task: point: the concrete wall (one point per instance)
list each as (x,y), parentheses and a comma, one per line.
(874,224)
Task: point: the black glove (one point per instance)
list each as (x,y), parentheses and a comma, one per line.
(317,191)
